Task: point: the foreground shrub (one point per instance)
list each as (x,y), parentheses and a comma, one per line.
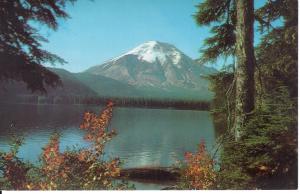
(199,170)
(72,169)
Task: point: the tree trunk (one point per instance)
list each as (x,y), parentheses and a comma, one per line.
(245,64)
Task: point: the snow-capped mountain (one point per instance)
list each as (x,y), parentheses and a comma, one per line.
(152,70)
(153,50)
(157,68)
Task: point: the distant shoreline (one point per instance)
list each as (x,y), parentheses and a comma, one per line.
(119,106)
(176,104)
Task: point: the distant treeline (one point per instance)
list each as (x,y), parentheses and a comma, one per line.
(118,101)
(151,103)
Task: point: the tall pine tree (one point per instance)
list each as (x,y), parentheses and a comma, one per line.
(232,35)
(265,157)
(245,64)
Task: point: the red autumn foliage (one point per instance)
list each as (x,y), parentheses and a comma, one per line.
(14,172)
(199,172)
(77,169)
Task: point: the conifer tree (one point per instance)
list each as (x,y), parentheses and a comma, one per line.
(21,56)
(232,36)
(265,157)
(245,64)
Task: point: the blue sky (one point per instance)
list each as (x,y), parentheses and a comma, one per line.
(103,29)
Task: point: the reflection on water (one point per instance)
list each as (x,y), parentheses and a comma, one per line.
(146,137)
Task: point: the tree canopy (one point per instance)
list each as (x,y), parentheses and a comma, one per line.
(222,15)
(21,55)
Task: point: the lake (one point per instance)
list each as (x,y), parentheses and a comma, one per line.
(145,137)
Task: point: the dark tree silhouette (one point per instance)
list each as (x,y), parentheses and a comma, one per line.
(21,57)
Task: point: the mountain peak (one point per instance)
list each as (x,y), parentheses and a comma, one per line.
(152,51)
(154,43)
(151,43)
(157,69)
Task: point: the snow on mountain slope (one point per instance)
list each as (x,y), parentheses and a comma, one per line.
(157,66)
(153,50)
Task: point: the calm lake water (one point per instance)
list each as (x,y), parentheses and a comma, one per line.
(146,137)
